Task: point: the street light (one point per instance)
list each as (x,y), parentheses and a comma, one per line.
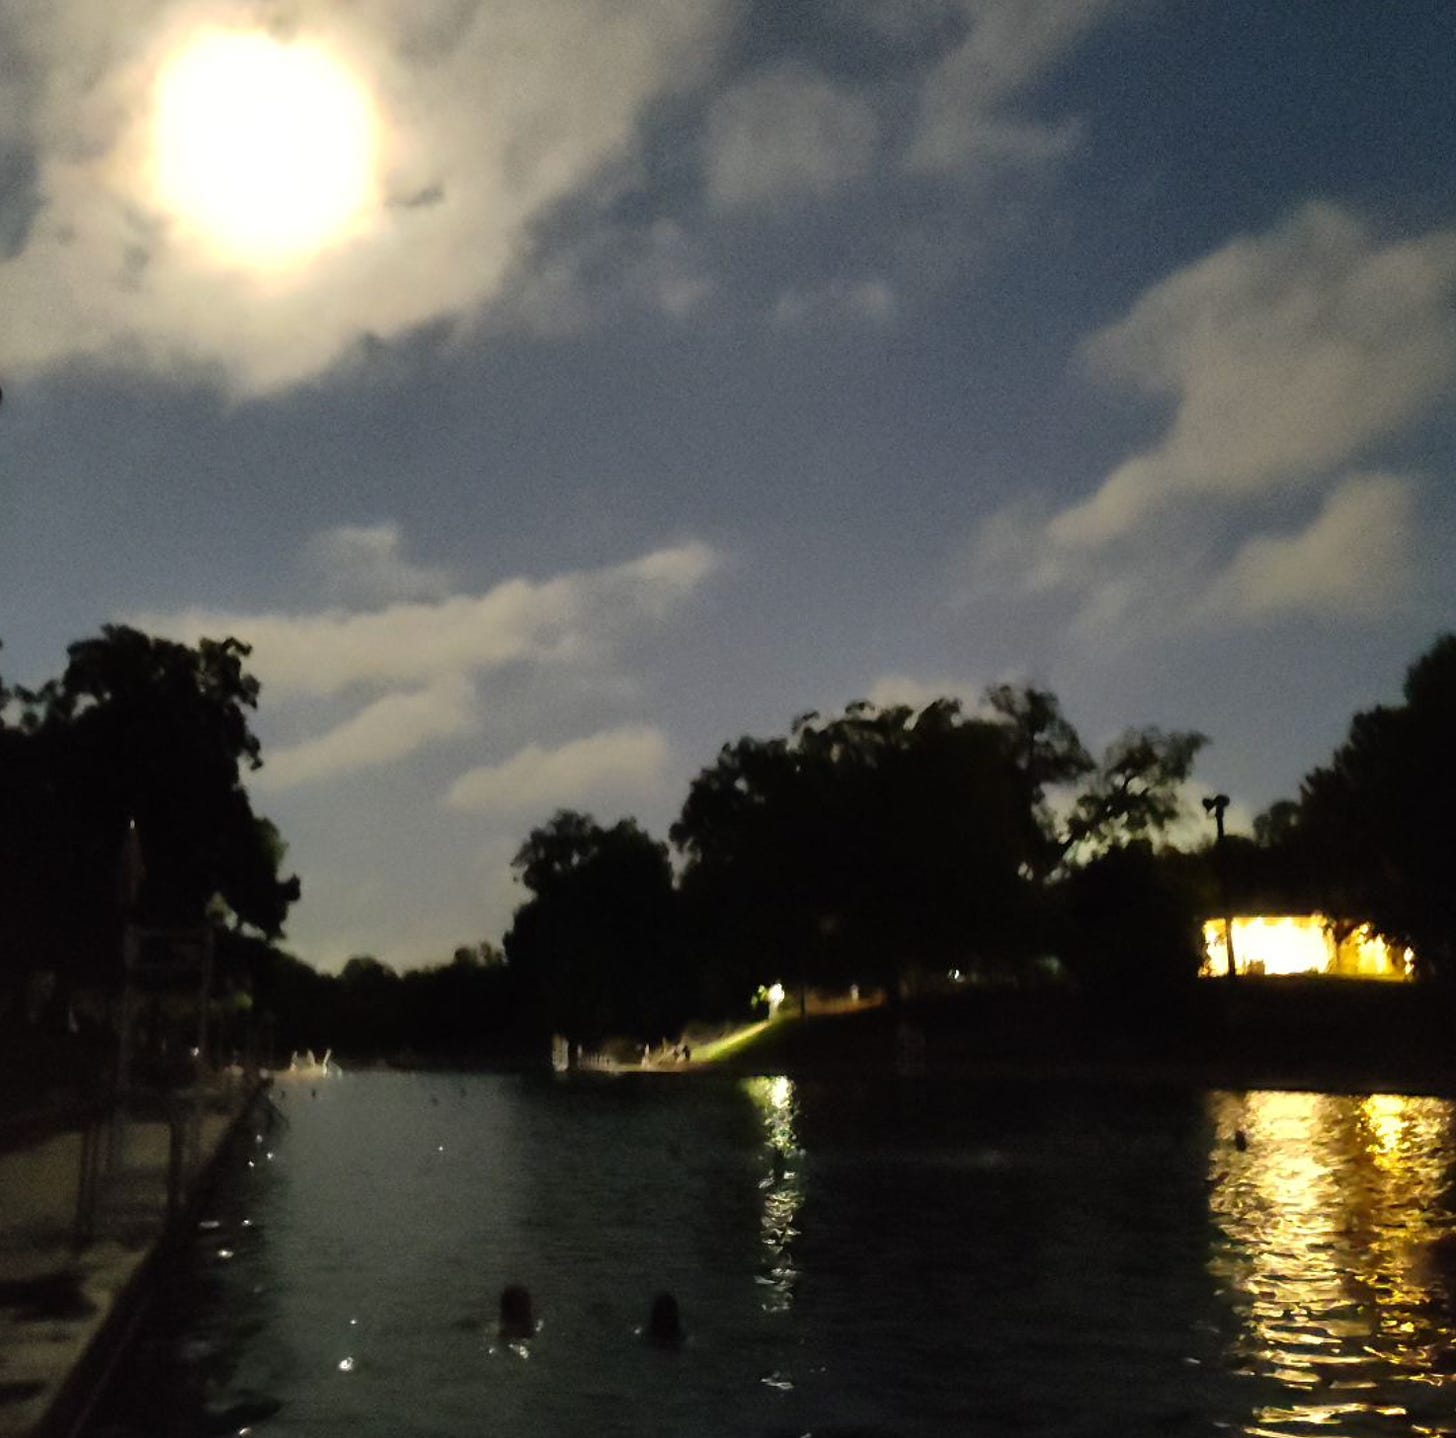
(1215,804)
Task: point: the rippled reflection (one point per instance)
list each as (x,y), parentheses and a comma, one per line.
(782,1188)
(1332,1214)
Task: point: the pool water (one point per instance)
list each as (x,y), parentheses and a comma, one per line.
(898,1257)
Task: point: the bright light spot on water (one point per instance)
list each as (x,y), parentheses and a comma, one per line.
(225,1253)
(439,1148)
(775,1096)
(1328,1221)
(346,1365)
(783,1189)
(353,1323)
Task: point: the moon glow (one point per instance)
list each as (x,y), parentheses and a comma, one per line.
(265,149)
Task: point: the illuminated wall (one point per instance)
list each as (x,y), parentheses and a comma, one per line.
(1302,944)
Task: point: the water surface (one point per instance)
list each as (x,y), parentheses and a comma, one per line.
(899,1258)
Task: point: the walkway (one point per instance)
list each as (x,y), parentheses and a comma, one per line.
(56,1303)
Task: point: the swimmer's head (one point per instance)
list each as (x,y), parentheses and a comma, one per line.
(664,1324)
(516,1318)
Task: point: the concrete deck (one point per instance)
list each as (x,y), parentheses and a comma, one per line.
(63,1313)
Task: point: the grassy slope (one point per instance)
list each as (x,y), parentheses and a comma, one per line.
(1274,1033)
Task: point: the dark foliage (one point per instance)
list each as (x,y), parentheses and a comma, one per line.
(1129,934)
(860,848)
(140,731)
(595,948)
(1373,826)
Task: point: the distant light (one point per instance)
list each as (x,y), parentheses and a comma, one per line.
(224,1253)
(1302,944)
(346,1365)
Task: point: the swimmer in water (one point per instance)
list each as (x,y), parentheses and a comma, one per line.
(517,1322)
(664,1324)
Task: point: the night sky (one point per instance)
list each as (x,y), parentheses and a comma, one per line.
(560,388)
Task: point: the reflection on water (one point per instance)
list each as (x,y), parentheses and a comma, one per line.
(914,1259)
(782,1188)
(1331,1213)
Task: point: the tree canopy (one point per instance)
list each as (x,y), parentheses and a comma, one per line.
(594,949)
(858,845)
(136,731)
(1374,823)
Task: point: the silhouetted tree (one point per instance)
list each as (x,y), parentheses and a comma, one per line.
(1048,754)
(594,948)
(136,729)
(1375,823)
(859,848)
(371,1014)
(1129,922)
(1134,791)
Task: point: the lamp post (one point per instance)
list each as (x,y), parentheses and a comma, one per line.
(1215,804)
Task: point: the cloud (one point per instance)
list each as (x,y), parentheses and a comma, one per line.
(783,133)
(388,729)
(892,690)
(1008,46)
(575,617)
(1286,355)
(495,111)
(364,562)
(1353,560)
(615,764)
(866,301)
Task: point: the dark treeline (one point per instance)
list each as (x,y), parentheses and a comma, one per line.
(883,847)
(887,847)
(122,797)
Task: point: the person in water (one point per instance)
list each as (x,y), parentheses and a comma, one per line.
(517,1322)
(664,1323)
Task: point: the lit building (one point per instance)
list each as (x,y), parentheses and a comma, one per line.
(1303,944)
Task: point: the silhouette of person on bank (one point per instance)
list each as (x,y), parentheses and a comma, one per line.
(664,1323)
(517,1322)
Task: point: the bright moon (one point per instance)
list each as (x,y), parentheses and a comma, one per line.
(266,148)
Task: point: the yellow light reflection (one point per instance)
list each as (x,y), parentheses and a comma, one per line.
(1329,1214)
(782,1188)
(266,148)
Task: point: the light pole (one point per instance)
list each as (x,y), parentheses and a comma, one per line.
(1215,804)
